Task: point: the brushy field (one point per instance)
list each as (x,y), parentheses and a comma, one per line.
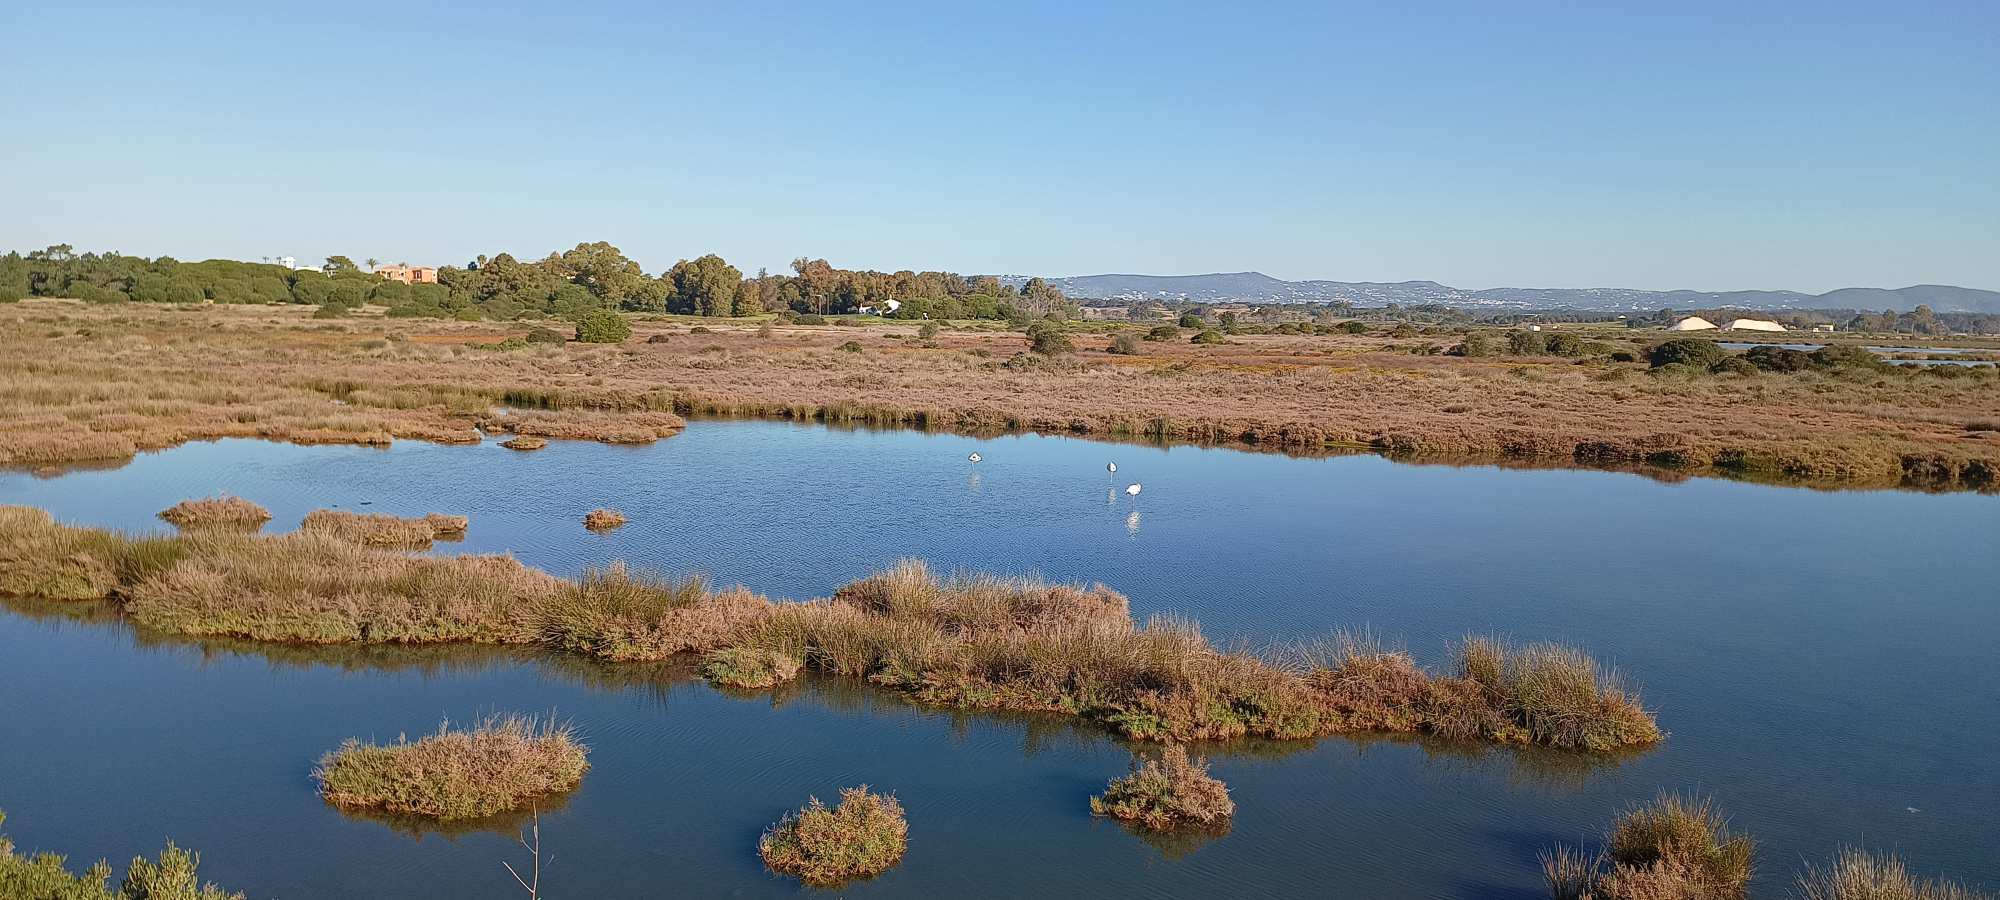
(862,837)
(965,641)
(81,383)
(500,765)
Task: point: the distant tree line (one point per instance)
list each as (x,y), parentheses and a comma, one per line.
(589,276)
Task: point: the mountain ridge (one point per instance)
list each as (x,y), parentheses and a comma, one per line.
(1257,287)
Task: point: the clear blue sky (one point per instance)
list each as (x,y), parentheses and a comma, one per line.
(1687,145)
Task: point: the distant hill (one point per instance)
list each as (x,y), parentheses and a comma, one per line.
(1257,287)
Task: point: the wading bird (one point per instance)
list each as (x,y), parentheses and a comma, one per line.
(1132,489)
(1110,467)
(973,458)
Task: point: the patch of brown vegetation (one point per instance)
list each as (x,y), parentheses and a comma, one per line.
(972,641)
(383,530)
(1674,847)
(146,377)
(216,512)
(524,442)
(1172,792)
(603,519)
(503,764)
(862,837)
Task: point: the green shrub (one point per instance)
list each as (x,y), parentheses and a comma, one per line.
(602,326)
(1163,333)
(1840,356)
(749,667)
(1523,342)
(1190,320)
(849,347)
(1562,343)
(862,837)
(1699,353)
(545,336)
(1352,326)
(1125,343)
(45,877)
(810,319)
(1048,339)
(1733,365)
(1210,336)
(928,331)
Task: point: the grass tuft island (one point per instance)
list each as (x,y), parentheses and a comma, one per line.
(501,765)
(862,837)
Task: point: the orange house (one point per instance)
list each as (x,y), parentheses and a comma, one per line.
(409,274)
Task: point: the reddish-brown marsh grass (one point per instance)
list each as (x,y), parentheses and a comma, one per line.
(216,512)
(970,641)
(500,765)
(862,837)
(145,377)
(1172,792)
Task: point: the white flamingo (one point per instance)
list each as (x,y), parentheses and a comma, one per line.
(975,457)
(1132,490)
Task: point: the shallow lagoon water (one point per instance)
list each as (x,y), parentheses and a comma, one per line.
(1823,661)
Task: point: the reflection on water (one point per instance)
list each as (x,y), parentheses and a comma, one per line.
(1793,643)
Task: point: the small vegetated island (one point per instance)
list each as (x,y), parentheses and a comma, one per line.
(503,764)
(862,837)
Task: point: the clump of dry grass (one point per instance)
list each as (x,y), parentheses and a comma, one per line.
(612,427)
(603,519)
(503,764)
(1674,847)
(45,560)
(524,442)
(383,530)
(216,512)
(1860,875)
(313,588)
(862,837)
(748,667)
(1171,793)
(621,615)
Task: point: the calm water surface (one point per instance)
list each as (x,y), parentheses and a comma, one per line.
(1825,664)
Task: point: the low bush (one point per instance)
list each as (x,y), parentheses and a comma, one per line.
(524,442)
(45,876)
(1163,333)
(216,512)
(849,347)
(1778,359)
(545,336)
(810,319)
(1126,344)
(1170,793)
(862,837)
(928,331)
(602,326)
(1697,352)
(1048,339)
(616,614)
(1190,320)
(1210,336)
(503,764)
(1352,326)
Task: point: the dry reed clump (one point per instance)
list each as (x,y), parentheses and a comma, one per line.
(501,765)
(45,876)
(612,427)
(603,519)
(620,615)
(1859,875)
(524,442)
(862,837)
(1171,793)
(383,530)
(1673,847)
(752,668)
(216,512)
(313,588)
(43,559)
